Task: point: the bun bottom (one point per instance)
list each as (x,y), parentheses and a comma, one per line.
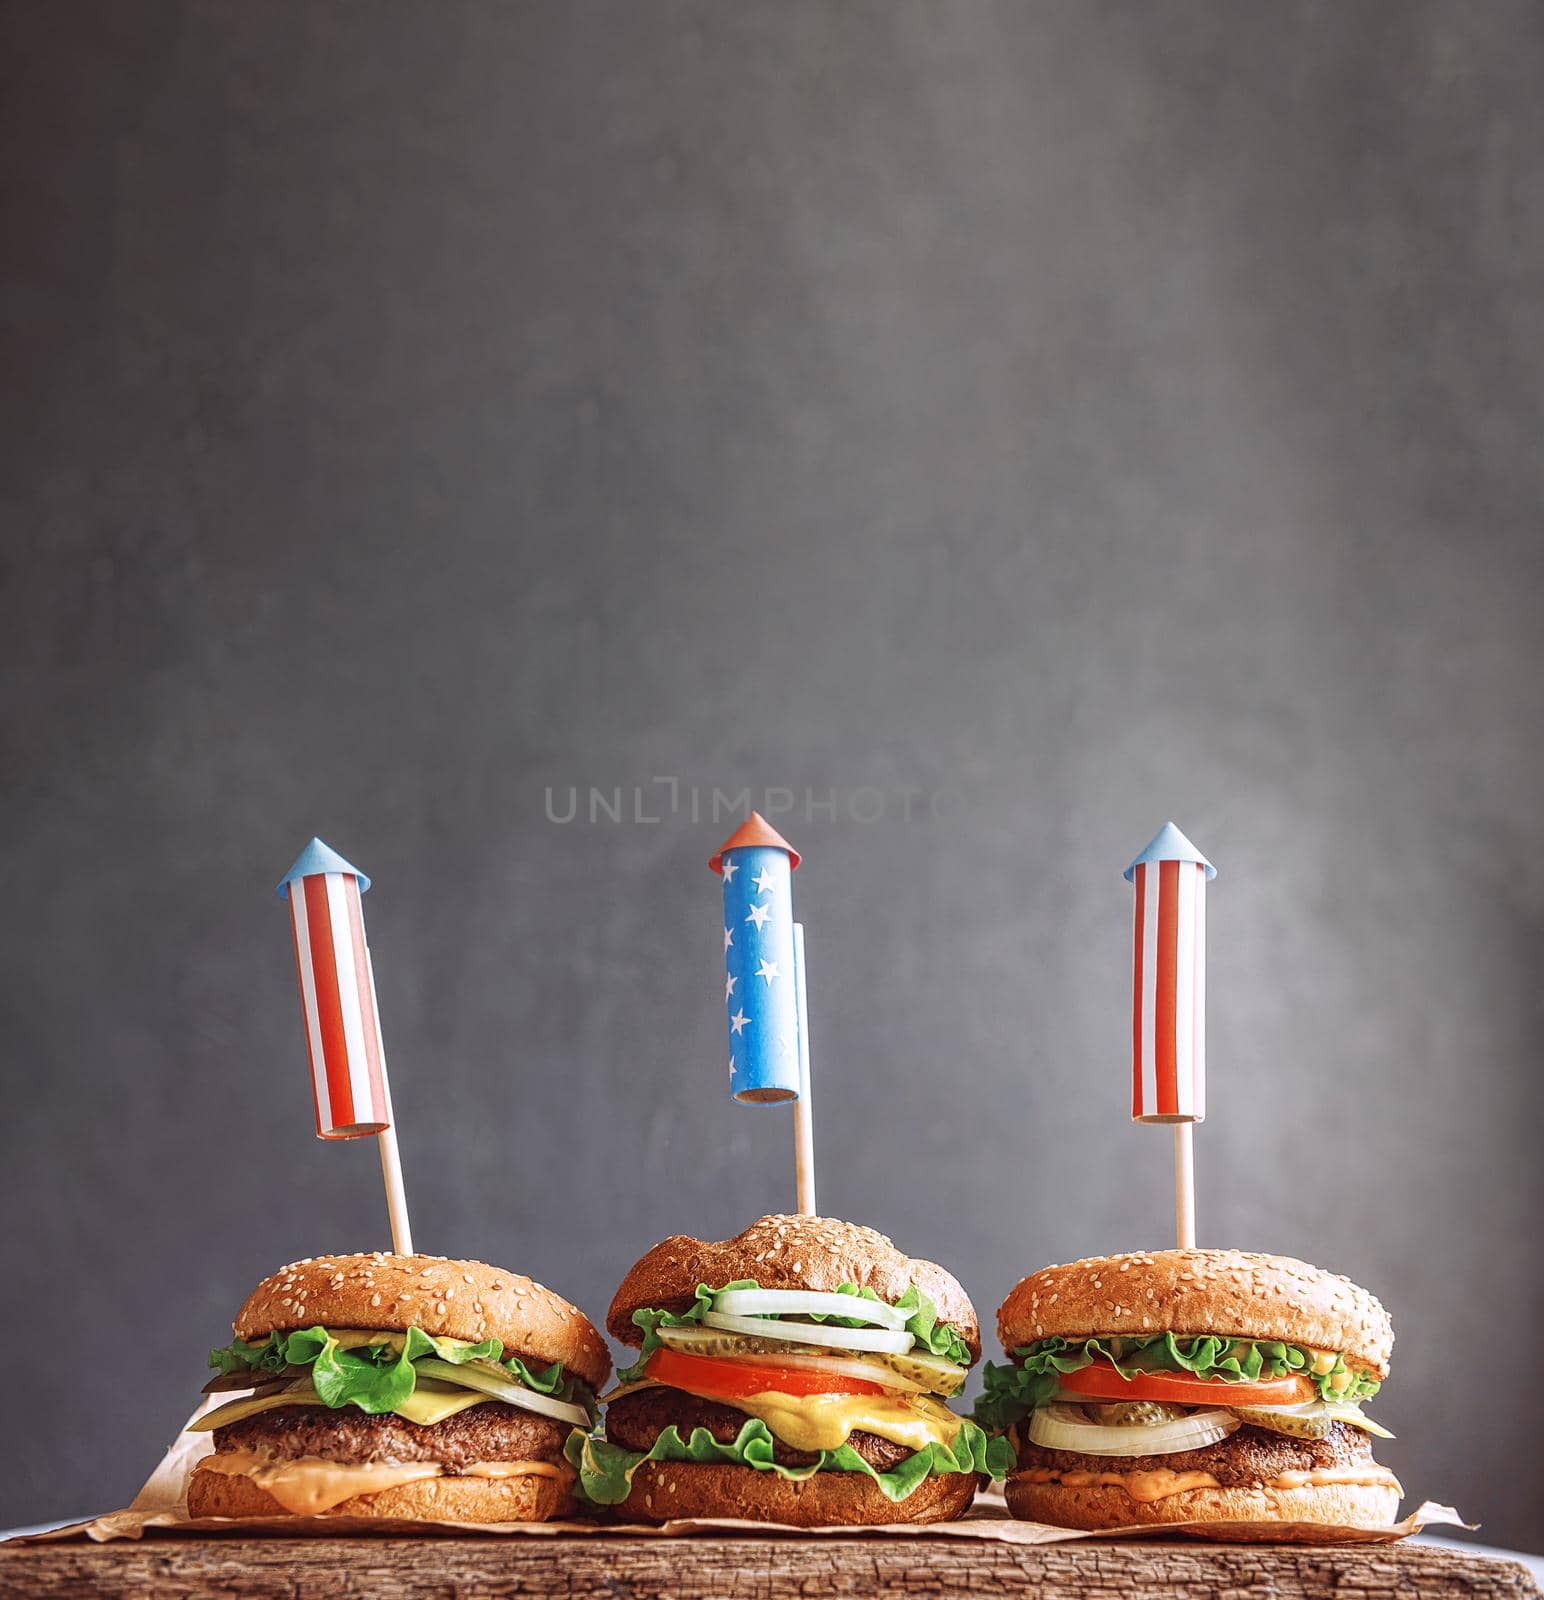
(663,1490)
(529,1497)
(1107,1506)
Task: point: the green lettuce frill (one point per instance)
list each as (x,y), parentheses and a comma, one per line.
(606,1470)
(1011,1392)
(378,1378)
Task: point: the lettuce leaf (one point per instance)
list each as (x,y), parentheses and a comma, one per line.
(606,1470)
(939,1338)
(649,1319)
(1011,1392)
(378,1378)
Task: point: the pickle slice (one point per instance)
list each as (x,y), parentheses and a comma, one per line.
(1308,1424)
(933,1373)
(1313,1420)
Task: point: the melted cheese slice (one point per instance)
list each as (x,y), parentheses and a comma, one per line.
(423,1406)
(823,1421)
(308,1485)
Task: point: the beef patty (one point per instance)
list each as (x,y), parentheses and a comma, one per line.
(492,1431)
(637,1420)
(1248,1456)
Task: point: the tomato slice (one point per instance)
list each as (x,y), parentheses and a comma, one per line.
(1102,1382)
(719,1377)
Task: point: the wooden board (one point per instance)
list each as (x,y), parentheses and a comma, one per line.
(707,1568)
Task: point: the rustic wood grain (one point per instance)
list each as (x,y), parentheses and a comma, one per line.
(745,1569)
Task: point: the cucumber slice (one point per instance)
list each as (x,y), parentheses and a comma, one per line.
(1133,1413)
(696,1341)
(935,1374)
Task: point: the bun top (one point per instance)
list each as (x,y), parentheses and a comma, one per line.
(786,1253)
(452,1299)
(1228,1292)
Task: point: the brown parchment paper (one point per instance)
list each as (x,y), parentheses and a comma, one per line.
(161,1508)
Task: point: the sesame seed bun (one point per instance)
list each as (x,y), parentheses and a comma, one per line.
(452,1299)
(526,1497)
(1344,1504)
(663,1490)
(1228,1292)
(786,1253)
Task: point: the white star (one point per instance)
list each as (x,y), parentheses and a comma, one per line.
(737,1022)
(729,868)
(728,938)
(786,1043)
(768,970)
(764,881)
(759,915)
(729,982)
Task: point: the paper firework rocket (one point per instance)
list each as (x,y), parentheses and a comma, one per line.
(337,994)
(761,963)
(1168,981)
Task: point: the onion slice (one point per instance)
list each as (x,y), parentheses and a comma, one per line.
(807,1303)
(473,1375)
(1059,1427)
(829,1338)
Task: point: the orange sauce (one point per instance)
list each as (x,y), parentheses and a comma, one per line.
(1160,1483)
(308,1485)
(1157,1484)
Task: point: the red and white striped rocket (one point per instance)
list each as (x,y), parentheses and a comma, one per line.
(1168,980)
(337,994)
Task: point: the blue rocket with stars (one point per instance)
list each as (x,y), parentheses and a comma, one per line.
(760,973)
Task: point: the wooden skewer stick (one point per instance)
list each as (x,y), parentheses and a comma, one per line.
(391,1160)
(803,1110)
(804,1157)
(396,1195)
(1184,1186)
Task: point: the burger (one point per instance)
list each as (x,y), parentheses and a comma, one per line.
(398,1386)
(1191,1386)
(797,1373)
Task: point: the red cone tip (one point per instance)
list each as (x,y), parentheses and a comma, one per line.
(755,830)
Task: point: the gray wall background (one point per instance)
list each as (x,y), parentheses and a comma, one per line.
(1094,413)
